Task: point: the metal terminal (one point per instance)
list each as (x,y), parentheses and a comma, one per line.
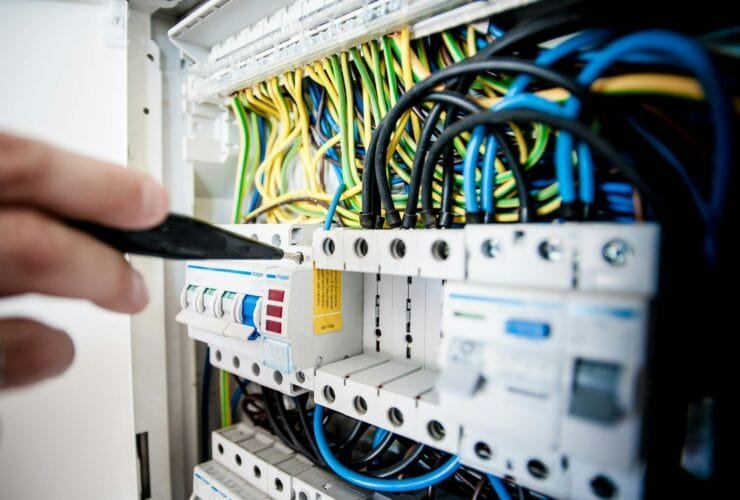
(616,252)
(297,257)
(491,248)
(551,249)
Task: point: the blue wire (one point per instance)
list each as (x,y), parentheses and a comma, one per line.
(372,483)
(499,487)
(235,397)
(469,162)
(684,52)
(641,58)
(261,132)
(334,199)
(549,57)
(565,179)
(254,201)
(379,435)
(518,101)
(619,198)
(495,31)
(542,183)
(488,177)
(616,187)
(330,121)
(332,154)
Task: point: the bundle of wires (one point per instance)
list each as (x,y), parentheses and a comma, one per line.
(397,129)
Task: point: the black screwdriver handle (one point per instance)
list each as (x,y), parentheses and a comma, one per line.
(181,237)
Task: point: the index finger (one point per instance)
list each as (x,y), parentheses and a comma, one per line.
(75,186)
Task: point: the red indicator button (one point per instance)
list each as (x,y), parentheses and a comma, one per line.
(273,326)
(275,311)
(278,295)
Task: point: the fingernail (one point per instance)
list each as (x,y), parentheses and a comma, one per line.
(154,200)
(139,294)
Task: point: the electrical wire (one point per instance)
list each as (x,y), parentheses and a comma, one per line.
(499,487)
(375,452)
(412,455)
(372,483)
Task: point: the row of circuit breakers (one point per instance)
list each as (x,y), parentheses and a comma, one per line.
(520,348)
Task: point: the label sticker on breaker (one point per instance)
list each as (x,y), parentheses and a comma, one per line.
(327,301)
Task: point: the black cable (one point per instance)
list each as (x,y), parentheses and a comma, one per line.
(275,426)
(417,94)
(479,488)
(354,435)
(277,399)
(376,452)
(369,188)
(439,146)
(412,455)
(525,199)
(453,99)
(533,32)
(205,398)
(446,215)
(300,401)
(409,216)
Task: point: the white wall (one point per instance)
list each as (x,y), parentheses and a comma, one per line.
(71,437)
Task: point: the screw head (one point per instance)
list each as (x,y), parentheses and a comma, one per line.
(491,248)
(551,249)
(617,252)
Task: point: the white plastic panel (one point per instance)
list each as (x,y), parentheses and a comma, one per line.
(417,252)
(300,33)
(212,481)
(251,464)
(516,356)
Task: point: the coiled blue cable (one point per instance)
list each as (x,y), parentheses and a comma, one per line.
(372,483)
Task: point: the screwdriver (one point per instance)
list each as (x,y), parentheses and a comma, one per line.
(183,237)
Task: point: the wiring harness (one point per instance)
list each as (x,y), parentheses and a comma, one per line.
(557,119)
(409,133)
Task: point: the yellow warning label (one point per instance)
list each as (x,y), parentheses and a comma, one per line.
(327,301)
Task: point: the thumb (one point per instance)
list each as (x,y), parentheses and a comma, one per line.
(31,352)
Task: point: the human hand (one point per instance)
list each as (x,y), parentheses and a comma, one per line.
(40,185)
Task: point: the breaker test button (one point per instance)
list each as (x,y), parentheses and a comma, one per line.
(273,326)
(274,311)
(276,295)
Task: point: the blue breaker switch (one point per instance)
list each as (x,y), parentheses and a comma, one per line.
(251,313)
(535,330)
